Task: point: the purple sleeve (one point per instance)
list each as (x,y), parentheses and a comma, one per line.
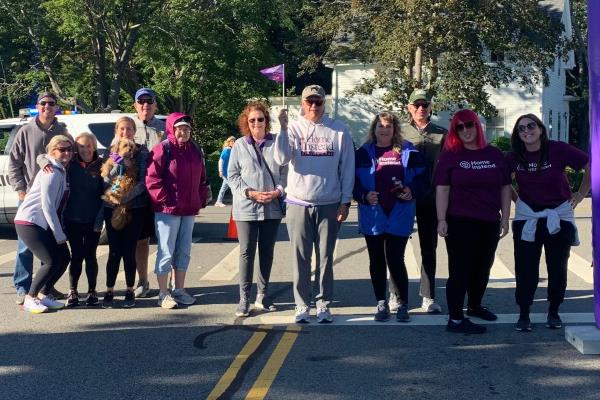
(442,170)
(575,158)
(505,168)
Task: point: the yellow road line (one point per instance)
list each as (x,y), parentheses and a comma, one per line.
(267,375)
(247,351)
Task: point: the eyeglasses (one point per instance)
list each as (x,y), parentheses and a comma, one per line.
(65,149)
(528,127)
(253,120)
(47,103)
(145,101)
(317,103)
(423,104)
(460,126)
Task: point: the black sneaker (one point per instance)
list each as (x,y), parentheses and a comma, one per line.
(383,311)
(553,321)
(523,324)
(107,301)
(56,294)
(465,326)
(481,312)
(73,298)
(402,313)
(129,300)
(92,299)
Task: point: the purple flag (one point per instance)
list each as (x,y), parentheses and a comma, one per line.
(594,67)
(274,73)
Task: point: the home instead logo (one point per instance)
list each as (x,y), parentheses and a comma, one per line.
(477,164)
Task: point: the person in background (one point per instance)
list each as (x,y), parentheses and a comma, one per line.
(257,183)
(122,243)
(223,165)
(320,154)
(473,205)
(544,216)
(428,139)
(176,183)
(38,224)
(386,168)
(149,131)
(31,140)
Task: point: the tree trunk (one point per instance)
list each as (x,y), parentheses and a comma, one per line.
(418,69)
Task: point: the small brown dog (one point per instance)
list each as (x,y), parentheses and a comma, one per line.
(122,171)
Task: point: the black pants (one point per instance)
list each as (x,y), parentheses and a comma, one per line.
(471,246)
(84,242)
(428,239)
(387,251)
(54,257)
(121,245)
(527,261)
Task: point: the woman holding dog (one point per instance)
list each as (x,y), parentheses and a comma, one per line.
(38,224)
(127,162)
(257,183)
(178,189)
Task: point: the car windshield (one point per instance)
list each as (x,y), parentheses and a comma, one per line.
(104,132)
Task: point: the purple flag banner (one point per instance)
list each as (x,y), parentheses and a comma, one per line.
(275,73)
(594,68)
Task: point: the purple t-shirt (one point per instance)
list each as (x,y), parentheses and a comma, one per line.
(475,178)
(548,187)
(389,165)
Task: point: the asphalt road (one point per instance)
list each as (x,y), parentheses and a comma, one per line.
(204,351)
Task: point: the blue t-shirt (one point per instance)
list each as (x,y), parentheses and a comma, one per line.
(225,157)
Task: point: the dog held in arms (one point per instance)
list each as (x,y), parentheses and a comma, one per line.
(121,172)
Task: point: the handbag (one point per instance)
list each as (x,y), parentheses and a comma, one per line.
(279,199)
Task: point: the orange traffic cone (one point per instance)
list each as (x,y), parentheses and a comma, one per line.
(231,229)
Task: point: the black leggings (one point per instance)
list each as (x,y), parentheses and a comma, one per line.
(471,246)
(387,251)
(121,244)
(84,242)
(54,257)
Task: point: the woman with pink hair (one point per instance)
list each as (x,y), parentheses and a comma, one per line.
(473,195)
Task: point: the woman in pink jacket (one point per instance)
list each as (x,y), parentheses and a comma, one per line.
(176,182)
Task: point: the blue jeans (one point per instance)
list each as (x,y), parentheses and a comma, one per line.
(23,267)
(174,236)
(224,187)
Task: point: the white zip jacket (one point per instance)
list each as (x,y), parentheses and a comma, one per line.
(554,215)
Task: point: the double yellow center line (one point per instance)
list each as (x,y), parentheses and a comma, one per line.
(269,372)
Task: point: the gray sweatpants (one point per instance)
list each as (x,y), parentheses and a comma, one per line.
(308,226)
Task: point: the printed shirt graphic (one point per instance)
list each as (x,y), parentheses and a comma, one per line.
(389,165)
(316,146)
(548,187)
(475,178)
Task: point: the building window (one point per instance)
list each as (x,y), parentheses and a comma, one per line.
(558,131)
(566,124)
(495,126)
(550,124)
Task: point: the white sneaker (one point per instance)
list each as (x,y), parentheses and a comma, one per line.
(393,303)
(166,301)
(34,306)
(52,304)
(183,297)
(324,315)
(219,204)
(302,315)
(430,306)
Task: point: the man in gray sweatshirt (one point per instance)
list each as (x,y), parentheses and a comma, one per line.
(320,154)
(31,141)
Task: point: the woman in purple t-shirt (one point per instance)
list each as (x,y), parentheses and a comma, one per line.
(473,204)
(543,214)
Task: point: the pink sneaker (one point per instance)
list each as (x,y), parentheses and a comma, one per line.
(34,306)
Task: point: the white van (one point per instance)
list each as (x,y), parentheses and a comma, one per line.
(101,125)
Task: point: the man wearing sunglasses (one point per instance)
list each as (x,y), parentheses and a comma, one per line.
(149,131)
(320,154)
(31,141)
(428,138)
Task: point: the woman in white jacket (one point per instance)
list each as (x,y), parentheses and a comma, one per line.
(38,224)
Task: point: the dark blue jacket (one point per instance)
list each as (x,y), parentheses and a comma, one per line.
(371,219)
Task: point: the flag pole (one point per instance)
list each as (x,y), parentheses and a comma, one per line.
(283,89)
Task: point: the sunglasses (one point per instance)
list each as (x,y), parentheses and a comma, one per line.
(65,149)
(47,103)
(253,120)
(469,124)
(528,127)
(145,101)
(317,103)
(424,105)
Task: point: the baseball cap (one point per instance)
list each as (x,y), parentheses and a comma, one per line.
(181,123)
(145,92)
(418,94)
(313,90)
(49,95)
